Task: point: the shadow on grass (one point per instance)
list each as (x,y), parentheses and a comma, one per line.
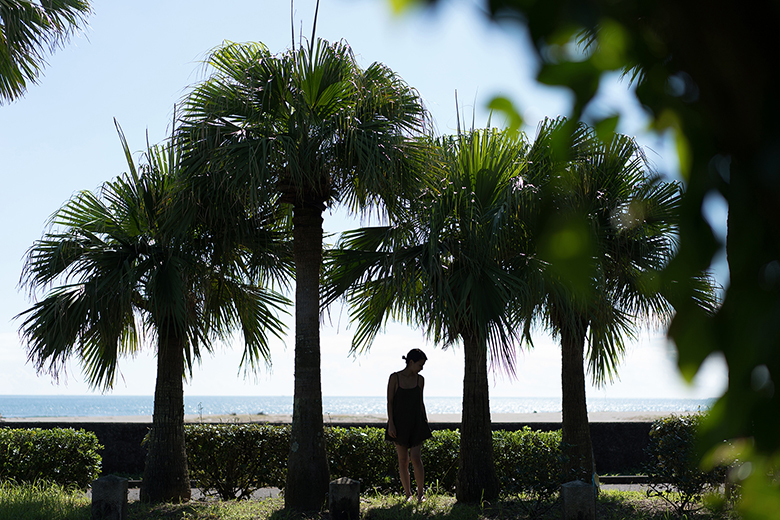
(609,506)
(441,507)
(206,510)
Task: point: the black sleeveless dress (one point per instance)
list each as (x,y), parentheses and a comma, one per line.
(411,424)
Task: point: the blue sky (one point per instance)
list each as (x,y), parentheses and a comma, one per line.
(137,59)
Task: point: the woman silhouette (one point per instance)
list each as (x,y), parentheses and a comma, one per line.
(407,423)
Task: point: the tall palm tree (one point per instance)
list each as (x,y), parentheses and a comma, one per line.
(28,30)
(457,265)
(606,231)
(120,274)
(304,130)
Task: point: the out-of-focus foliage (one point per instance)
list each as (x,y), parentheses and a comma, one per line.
(704,71)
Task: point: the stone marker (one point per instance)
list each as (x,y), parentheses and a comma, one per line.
(109,498)
(579,501)
(344,499)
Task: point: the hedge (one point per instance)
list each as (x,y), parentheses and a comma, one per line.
(61,455)
(232,461)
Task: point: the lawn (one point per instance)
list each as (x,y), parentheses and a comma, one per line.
(42,502)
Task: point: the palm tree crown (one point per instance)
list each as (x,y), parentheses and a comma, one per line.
(27,31)
(307,126)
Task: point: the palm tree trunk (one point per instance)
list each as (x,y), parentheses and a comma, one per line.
(477,480)
(166,476)
(307,464)
(578,449)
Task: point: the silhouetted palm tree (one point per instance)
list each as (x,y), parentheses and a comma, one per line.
(304,130)
(606,231)
(123,270)
(455,264)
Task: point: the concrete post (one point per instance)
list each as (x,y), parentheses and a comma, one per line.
(109,498)
(579,501)
(344,499)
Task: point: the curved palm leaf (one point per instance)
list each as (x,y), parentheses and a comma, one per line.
(28,30)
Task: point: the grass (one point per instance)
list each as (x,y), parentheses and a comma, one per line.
(42,501)
(45,502)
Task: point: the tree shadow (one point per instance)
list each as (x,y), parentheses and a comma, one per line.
(609,506)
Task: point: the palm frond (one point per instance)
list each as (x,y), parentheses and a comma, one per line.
(134,250)
(453,261)
(30,30)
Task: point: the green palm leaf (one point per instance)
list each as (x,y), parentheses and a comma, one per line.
(28,31)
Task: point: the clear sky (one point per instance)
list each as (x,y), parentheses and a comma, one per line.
(137,59)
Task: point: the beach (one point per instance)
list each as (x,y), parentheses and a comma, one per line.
(336,419)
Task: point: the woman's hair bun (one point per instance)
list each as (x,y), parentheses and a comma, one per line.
(414,356)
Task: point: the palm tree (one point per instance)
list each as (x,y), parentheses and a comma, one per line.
(457,266)
(304,130)
(27,31)
(607,230)
(120,274)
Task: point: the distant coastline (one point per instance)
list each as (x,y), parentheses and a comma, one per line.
(336,420)
(111,406)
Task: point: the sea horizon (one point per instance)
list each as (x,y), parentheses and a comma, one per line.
(22,406)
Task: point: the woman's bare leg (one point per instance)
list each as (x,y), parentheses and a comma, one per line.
(403,468)
(419,471)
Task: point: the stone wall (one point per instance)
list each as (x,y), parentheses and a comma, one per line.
(618,447)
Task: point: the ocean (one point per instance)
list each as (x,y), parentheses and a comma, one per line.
(20,406)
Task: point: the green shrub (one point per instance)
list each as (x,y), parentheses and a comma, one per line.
(234,460)
(62,456)
(440,454)
(362,454)
(674,472)
(529,463)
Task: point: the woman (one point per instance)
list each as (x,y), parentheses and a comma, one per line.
(407,423)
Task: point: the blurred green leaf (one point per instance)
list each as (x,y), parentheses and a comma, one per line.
(605,128)
(506,107)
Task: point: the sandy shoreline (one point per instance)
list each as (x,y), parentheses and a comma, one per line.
(546,417)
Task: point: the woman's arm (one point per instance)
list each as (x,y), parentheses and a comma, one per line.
(392,383)
(422,401)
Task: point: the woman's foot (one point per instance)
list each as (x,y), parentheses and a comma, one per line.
(421,497)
